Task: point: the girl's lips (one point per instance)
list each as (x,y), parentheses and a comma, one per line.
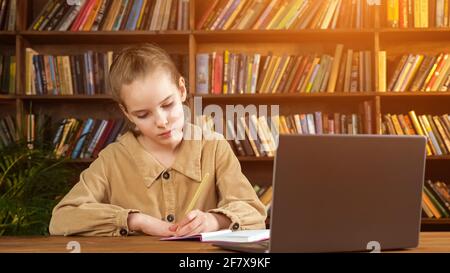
(166,134)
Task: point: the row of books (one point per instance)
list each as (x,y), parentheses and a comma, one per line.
(417,13)
(67,75)
(113,15)
(7,74)
(421,72)
(435,128)
(85,138)
(76,74)
(322,123)
(238,73)
(8,11)
(436,200)
(93,15)
(248,136)
(286,14)
(257,136)
(8,133)
(325,123)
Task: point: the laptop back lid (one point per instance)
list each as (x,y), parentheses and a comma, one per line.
(341,192)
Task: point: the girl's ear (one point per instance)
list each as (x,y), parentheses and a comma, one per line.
(182,88)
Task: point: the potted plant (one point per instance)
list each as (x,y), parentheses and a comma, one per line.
(32,181)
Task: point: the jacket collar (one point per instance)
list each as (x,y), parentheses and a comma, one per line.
(187,162)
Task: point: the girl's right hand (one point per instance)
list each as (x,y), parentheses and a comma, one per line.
(149,225)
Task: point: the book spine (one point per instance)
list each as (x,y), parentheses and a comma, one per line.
(202,74)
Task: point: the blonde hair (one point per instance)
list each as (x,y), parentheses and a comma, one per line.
(136,62)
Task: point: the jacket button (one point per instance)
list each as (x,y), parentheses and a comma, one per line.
(236,226)
(166,175)
(123,232)
(170,218)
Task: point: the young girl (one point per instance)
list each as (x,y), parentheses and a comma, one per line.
(145,181)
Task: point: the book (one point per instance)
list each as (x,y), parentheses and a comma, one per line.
(226,235)
(202,73)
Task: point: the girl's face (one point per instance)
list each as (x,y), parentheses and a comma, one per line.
(155,105)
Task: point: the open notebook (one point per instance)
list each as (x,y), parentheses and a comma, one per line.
(226,235)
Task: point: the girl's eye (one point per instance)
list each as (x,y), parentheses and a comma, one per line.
(168,105)
(143,116)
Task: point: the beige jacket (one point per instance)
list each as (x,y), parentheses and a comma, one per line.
(126,178)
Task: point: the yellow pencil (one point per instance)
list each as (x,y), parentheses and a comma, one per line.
(197,194)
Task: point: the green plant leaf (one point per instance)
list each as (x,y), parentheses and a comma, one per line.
(30,183)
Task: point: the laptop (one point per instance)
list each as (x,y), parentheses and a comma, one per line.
(343,193)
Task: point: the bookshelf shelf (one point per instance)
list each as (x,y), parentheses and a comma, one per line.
(436,222)
(65,97)
(7,37)
(6,98)
(105,37)
(210,97)
(7,33)
(439,157)
(283,97)
(362,95)
(288,96)
(286,36)
(413,94)
(413,30)
(414,34)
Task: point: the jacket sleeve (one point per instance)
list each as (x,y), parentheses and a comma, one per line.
(85,210)
(237,198)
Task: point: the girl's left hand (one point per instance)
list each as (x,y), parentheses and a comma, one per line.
(196,222)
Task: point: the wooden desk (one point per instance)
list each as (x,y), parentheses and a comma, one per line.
(134,244)
(429,242)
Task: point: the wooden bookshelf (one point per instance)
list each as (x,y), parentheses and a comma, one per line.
(435,224)
(366,95)
(7,98)
(442,157)
(415,94)
(7,37)
(98,97)
(439,222)
(102,37)
(280,36)
(193,41)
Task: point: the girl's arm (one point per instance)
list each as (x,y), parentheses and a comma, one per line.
(237,199)
(86,210)
(149,225)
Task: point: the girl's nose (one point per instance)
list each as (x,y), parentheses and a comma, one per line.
(161,119)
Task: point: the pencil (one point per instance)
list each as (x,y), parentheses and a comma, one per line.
(197,194)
